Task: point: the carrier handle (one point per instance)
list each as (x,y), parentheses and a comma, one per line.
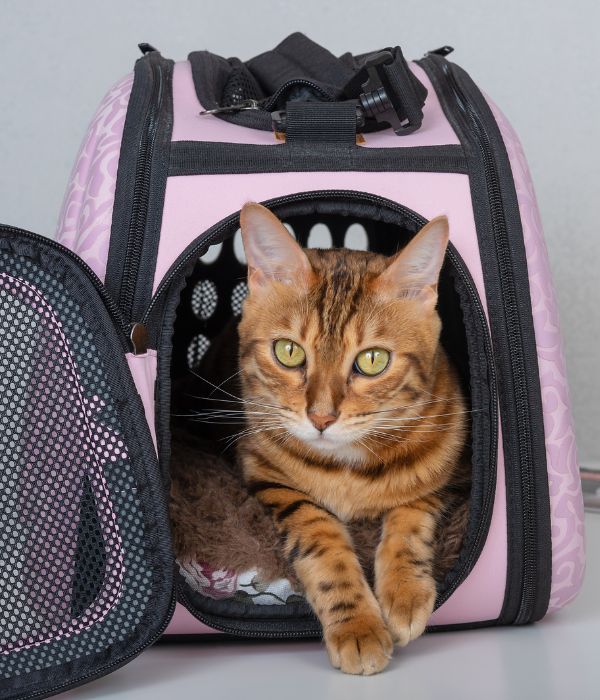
(381,86)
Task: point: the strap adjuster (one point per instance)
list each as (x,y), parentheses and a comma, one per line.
(378,100)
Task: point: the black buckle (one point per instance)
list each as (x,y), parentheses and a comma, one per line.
(375,100)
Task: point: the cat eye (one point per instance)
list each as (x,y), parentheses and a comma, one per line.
(372,361)
(289,353)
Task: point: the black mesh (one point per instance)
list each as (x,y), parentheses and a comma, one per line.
(76,573)
(241,85)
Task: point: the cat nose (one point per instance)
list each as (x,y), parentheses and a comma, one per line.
(322,421)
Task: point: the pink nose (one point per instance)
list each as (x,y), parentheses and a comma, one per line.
(321,422)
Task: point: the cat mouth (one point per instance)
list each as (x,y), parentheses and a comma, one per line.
(337,445)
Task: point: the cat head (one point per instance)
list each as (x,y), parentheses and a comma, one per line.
(336,343)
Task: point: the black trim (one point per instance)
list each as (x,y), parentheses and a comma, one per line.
(160,320)
(504,263)
(83,285)
(216,158)
(140,186)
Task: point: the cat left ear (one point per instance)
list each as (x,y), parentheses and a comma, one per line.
(415,271)
(272,253)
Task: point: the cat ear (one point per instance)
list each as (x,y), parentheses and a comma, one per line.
(272,253)
(415,271)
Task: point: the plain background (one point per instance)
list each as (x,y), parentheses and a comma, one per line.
(538,60)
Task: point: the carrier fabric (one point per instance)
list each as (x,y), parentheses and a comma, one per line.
(86,412)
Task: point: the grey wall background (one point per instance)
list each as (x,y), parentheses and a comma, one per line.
(538,60)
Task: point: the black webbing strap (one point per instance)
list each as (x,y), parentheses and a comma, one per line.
(332,122)
(406,92)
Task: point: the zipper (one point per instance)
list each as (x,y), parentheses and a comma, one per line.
(217,233)
(515,341)
(140,200)
(109,668)
(112,308)
(237,631)
(271,102)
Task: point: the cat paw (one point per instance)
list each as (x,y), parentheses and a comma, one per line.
(362,646)
(408,609)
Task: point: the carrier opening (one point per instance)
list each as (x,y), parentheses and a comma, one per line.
(210,505)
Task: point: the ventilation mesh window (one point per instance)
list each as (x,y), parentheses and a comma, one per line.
(74,572)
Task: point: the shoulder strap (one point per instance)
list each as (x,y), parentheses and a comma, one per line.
(381,86)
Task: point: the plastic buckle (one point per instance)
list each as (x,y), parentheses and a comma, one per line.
(375,101)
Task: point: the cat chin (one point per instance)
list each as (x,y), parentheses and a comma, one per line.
(350,454)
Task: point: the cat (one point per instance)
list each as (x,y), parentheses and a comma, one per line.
(353,410)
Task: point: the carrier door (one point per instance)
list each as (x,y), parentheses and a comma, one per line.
(85,561)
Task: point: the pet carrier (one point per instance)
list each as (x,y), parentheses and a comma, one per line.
(147,268)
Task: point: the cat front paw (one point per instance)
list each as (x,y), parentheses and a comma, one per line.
(407,609)
(361,646)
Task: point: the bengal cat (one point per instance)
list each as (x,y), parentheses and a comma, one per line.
(353,410)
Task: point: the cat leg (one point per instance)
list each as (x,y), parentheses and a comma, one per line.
(404,583)
(321,552)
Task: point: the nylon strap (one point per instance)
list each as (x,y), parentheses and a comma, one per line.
(332,122)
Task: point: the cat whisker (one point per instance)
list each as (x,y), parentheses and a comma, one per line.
(430,416)
(405,407)
(235,374)
(233,396)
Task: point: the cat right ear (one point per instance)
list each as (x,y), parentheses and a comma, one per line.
(272,253)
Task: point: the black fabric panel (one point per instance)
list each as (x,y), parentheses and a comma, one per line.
(531,451)
(215,158)
(299,57)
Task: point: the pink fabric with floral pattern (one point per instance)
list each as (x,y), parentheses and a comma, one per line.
(86,216)
(566,502)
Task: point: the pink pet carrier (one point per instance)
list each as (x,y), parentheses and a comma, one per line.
(147,268)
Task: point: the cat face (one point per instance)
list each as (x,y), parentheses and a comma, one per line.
(337,344)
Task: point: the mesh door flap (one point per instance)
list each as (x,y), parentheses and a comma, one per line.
(83,581)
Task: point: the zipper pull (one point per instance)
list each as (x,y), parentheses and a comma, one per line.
(231,109)
(139,338)
(442,51)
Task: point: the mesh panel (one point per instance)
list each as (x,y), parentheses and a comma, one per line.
(241,85)
(75,572)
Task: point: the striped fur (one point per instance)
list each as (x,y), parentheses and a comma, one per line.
(396,441)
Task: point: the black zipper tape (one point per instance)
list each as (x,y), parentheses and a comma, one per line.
(159,317)
(505,271)
(38,243)
(140,187)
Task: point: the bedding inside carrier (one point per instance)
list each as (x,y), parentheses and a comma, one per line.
(210,509)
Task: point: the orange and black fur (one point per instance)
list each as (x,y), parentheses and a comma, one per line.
(353,410)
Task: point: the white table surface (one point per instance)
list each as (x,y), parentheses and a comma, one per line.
(556,658)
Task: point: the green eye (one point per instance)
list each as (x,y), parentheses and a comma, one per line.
(372,361)
(290,354)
